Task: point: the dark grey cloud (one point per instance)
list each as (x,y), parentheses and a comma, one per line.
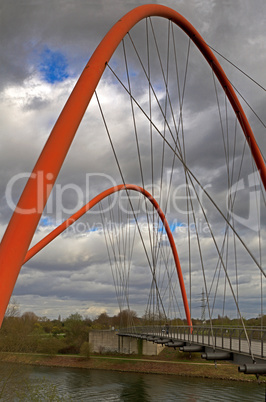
(76,267)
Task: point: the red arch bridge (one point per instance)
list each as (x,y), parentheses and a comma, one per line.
(168,120)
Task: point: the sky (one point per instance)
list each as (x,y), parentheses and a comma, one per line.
(45,46)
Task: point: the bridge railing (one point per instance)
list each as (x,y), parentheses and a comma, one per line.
(227,338)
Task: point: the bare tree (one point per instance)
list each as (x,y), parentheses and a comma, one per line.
(13,309)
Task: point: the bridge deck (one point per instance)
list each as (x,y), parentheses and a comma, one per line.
(233,340)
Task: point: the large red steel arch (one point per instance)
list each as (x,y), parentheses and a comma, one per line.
(22,225)
(61,228)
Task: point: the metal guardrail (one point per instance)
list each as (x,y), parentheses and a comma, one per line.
(227,338)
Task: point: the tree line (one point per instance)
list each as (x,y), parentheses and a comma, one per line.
(29,333)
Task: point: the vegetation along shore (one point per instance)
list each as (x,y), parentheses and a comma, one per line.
(167,362)
(28,339)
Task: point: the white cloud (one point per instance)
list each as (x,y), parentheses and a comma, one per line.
(73,273)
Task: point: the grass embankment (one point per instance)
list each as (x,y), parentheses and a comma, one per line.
(167,362)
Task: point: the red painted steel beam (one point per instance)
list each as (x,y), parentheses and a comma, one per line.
(21,228)
(57,231)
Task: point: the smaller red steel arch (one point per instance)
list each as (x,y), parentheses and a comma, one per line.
(57,231)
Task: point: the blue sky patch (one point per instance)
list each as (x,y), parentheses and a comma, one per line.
(53,66)
(173,225)
(46,221)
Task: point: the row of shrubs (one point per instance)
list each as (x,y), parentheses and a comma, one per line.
(27,336)
(48,345)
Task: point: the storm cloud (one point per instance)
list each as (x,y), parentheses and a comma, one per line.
(44,48)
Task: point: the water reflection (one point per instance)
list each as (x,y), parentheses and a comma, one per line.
(15,385)
(135,391)
(18,383)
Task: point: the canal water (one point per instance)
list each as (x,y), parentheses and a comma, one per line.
(25,383)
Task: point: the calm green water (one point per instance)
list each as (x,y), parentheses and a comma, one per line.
(59,384)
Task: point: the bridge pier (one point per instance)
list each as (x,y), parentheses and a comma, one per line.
(109,342)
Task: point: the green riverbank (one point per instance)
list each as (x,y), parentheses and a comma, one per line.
(168,362)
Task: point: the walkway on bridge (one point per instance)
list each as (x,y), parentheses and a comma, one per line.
(247,348)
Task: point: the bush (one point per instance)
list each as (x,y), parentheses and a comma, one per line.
(85,350)
(50,345)
(68,349)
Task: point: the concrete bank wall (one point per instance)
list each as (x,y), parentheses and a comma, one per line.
(109,341)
